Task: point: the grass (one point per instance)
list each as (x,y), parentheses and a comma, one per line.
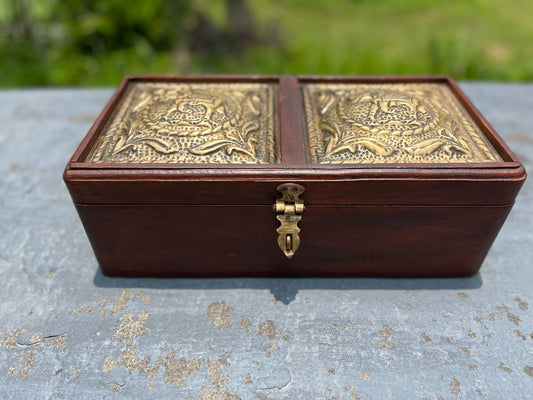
(488,39)
(475,39)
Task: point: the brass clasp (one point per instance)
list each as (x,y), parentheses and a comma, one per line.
(289,211)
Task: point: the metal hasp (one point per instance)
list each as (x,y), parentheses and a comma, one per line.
(289,211)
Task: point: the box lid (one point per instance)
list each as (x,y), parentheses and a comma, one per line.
(347,140)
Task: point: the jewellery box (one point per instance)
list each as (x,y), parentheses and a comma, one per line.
(292,176)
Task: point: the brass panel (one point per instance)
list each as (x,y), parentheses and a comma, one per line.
(191,123)
(391,123)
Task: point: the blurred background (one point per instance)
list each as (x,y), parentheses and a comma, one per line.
(98,42)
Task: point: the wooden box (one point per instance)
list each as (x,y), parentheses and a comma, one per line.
(292,176)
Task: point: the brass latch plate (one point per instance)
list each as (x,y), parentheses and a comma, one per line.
(289,209)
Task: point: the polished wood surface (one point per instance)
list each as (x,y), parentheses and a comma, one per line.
(221,241)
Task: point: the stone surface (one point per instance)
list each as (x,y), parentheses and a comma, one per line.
(67,331)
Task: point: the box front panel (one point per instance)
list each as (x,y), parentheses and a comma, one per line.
(335,241)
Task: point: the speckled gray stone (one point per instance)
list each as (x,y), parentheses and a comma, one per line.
(67,331)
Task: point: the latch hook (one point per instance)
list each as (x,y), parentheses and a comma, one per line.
(289,209)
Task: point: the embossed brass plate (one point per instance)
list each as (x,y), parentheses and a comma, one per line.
(391,123)
(289,211)
(191,123)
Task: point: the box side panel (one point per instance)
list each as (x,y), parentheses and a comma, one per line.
(225,241)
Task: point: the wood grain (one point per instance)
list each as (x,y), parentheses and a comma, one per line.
(227,241)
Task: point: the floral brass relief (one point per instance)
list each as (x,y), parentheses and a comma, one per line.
(391,123)
(191,123)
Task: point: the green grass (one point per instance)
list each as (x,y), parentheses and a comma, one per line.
(475,39)
(485,39)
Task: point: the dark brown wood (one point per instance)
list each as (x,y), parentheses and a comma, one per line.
(417,187)
(293,148)
(360,220)
(227,241)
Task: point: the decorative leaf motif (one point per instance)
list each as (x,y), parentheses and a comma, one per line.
(210,147)
(465,145)
(250,127)
(330,146)
(375,146)
(155,143)
(449,133)
(121,145)
(162,131)
(253,101)
(142,100)
(341,148)
(325,101)
(231,149)
(232,134)
(246,130)
(429,146)
(229,145)
(159,145)
(334,129)
(449,147)
(425,147)
(333,141)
